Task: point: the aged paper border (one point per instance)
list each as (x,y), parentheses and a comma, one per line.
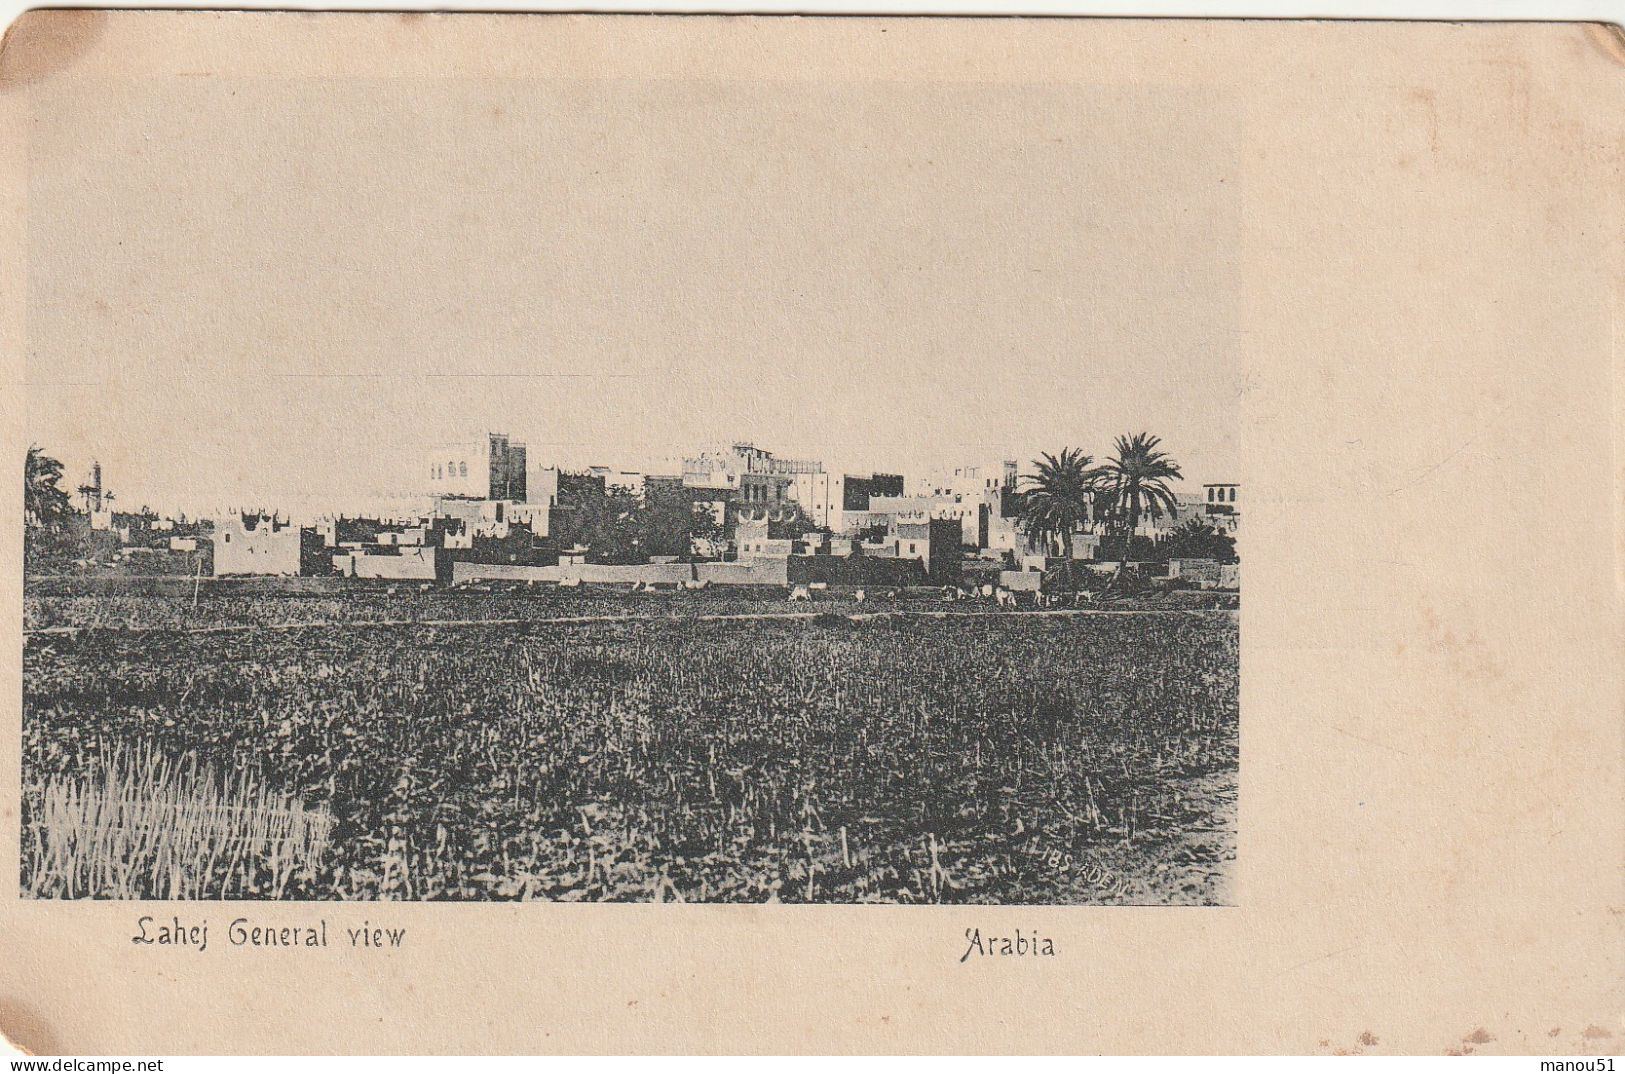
(1431,827)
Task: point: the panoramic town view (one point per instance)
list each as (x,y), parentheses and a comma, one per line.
(669,490)
(743,677)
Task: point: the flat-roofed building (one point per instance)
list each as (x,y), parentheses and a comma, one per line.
(252,543)
(831,501)
(492,467)
(1221,507)
(972,513)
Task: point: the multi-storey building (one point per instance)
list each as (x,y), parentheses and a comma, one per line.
(982,498)
(1221,508)
(967,481)
(757,476)
(830,500)
(972,514)
(490,468)
(743,480)
(932,541)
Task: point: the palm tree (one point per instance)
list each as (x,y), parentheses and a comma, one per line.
(44,501)
(1058,498)
(1136,478)
(1198,539)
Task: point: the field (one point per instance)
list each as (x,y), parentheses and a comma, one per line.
(898,757)
(172,602)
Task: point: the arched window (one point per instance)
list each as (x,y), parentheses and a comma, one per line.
(462,469)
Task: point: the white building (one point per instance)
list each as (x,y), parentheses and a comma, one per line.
(978,480)
(840,502)
(1222,507)
(492,467)
(255,544)
(746,473)
(972,513)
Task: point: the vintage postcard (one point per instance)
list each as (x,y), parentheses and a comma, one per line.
(589,533)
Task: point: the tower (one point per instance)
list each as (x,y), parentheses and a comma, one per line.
(91,491)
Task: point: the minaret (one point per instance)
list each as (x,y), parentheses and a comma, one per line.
(92,490)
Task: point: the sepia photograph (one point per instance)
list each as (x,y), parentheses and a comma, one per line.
(533,497)
(558,534)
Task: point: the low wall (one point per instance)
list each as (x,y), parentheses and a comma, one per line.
(417,566)
(855,571)
(631,574)
(761,572)
(181,585)
(503,572)
(1021,581)
(1195,570)
(797,570)
(756,573)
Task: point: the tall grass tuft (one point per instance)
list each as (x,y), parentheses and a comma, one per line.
(143,826)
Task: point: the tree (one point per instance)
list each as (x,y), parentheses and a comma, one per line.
(667,522)
(1058,499)
(1136,477)
(603,520)
(45,503)
(619,526)
(1198,539)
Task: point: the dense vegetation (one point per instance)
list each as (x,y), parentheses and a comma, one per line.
(1014,758)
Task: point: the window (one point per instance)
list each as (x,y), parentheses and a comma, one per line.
(228,538)
(462,469)
(1210,493)
(1232,495)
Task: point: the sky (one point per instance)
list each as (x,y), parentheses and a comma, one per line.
(282,293)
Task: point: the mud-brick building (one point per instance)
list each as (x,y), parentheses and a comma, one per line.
(253,543)
(934,542)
